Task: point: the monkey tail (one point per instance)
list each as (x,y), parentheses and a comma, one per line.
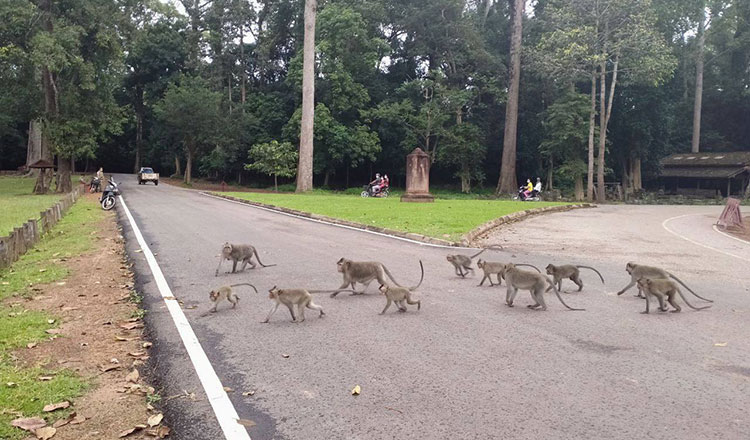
(689,289)
(330,291)
(690,305)
(387,272)
(495,247)
(527,265)
(420,279)
(597,272)
(245,284)
(257,257)
(557,292)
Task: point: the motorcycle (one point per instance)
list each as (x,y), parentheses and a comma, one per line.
(95,185)
(534,196)
(370,191)
(109,195)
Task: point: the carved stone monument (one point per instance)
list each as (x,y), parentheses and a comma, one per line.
(417,177)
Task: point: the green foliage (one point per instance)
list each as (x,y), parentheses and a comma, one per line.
(273,158)
(566,127)
(19,204)
(463,150)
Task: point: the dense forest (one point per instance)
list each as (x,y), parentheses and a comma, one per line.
(603,88)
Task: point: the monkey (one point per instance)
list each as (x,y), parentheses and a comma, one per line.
(362,272)
(239,253)
(462,263)
(638,271)
(535,283)
(291,297)
(490,268)
(226,292)
(399,294)
(568,271)
(661,288)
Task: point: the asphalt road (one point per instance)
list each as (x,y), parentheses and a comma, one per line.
(465,366)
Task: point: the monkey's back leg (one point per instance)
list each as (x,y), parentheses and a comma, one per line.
(576,279)
(671,298)
(312,305)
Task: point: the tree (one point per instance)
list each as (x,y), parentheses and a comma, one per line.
(463,150)
(305,166)
(190,113)
(507,182)
(273,158)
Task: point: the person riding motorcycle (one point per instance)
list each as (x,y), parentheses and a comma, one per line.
(377,184)
(529,188)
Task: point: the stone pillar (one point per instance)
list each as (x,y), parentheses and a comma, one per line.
(417,177)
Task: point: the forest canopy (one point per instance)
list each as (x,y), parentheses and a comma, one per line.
(208,88)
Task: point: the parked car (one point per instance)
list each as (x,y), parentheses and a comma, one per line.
(147,175)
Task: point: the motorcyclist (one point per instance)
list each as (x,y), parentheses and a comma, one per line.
(528,188)
(538,186)
(377,183)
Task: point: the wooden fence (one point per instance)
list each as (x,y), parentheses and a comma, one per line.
(27,235)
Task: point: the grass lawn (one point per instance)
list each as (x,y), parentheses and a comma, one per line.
(18,204)
(18,326)
(445,218)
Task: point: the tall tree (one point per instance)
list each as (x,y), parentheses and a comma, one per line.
(507,182)
(698,98)
(305,165)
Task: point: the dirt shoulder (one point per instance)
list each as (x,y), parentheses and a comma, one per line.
(742,234)
(97,335)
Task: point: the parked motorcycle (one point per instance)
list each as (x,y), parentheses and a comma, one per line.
(109,195)
(370,191)
(534,196)
(95,185)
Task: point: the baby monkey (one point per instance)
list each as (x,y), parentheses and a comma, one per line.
(661,289)
(570,271)
(228,294)
(292,297)
(401,295)
(462,263)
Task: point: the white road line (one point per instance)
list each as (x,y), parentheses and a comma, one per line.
(716,228)
(337,225)
(664,225)
(217,397)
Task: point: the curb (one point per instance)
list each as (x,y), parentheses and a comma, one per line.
(465,240)
(336,221)
(515,217)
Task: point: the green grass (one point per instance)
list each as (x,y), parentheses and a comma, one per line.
(72,236)
(28,395)
(445,218)
(18,204)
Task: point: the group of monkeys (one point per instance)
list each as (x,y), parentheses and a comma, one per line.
(651,281)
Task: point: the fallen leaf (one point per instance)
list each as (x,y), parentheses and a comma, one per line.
(137,353)
(11,384)
(170,297)
(77,420)
(131,325)
(105,368)
(114,361)
(246,422)
(721,344)
(137,251)
(155,419)
(56,406)
(147,344)
(228,390)
(121,339)
(45,378)
(29,424)
(160,431)
(285,355)
(50,321)
(248,393)
(53,331)
(356,390)
(127,432)
(45,433)
(133,376)
(134,319)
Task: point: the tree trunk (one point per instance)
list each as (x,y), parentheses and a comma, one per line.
(327,178)
(242,65)
(229,92)
(347,177)
(275,183)
(508,181)
(635,174)
(592,130)
(550,171)
(63,176)
(305,164)
(465,184)
(605,112)
(177,169)
(487,7)
(579,188)
(189,165)
(139,110)
(698,99)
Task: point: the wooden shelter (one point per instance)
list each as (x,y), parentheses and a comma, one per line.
(707,174)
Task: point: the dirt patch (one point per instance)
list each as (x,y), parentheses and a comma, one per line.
(205,185)
(100,338)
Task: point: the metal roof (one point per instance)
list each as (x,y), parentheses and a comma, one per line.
(704,172)
(735,158)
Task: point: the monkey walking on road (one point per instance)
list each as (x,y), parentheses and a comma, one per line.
(226,293)
(462,263)
(239,253)
(363,272)
(569,271)
(663,288)
(401,295)
(496,268)
(535,283)
(638,271)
